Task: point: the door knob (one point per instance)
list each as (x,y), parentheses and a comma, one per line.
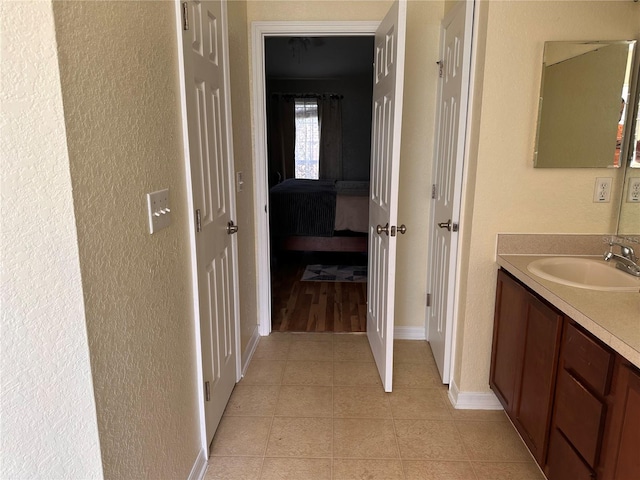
(401,229)
(385,229)
(449,226)
(231,228)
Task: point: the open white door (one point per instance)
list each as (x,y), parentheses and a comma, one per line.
(455,51)
(383,200)
(206,84)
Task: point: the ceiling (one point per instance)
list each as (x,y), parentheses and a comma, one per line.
(318,57)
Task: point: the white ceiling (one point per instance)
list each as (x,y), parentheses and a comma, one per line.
(318,57)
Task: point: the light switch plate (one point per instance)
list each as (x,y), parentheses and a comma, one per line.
(158,210)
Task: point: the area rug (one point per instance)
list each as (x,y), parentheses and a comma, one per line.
(335,273)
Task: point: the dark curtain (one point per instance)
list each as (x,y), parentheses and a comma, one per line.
(281,138)
(330,118)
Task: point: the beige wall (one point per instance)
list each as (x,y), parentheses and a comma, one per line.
(118,66)
(48,427)
(507,194)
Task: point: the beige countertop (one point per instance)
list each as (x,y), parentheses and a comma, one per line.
(613,317)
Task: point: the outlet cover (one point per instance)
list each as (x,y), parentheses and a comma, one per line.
(158,210)
(633,195)
(602,190)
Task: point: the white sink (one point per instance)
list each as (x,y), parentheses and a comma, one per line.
(588,273)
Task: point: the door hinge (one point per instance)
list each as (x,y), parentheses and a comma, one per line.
(185,16)
(433,191)
(428,299)
(207,391)
(198,221)
(440,67)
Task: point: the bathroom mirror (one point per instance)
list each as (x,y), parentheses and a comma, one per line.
(629,217)
(583,110)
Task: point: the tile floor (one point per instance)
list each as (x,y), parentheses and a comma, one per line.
(311,406)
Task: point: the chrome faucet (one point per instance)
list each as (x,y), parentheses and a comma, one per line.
(626,260)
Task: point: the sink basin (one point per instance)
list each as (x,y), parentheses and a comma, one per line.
(588,273)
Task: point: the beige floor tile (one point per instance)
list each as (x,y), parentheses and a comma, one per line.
(352,352)
(264,372)
(300,437)
(507,471)
(361,402)
(429,440)
(353,373)
(412,351)
(434,470)
(253,400)
(424,403)
(271,350)
(364,438)
(350,469)
(298,372)
(296,469)
(304,401)
(416,375)
(350,337)
(233,468)
(492,442)
(311,337)
(241,436)
(311,351)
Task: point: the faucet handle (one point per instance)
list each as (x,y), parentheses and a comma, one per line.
(625,250)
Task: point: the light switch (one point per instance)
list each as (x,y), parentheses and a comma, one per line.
(158,209)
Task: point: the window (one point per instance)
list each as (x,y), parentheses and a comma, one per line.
(307,149)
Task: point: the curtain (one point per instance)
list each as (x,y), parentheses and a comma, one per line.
(281,138)
(330,118)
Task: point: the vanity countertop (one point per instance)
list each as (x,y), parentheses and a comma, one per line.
(613,317)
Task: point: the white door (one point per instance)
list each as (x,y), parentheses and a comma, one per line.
(206,80)
(455,55)
(383,199)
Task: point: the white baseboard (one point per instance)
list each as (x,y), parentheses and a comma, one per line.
(199,468)
(251,348)
(409,333)
(472,400)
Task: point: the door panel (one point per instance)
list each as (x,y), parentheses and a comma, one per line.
(447,179)
(383,201)
(211,167)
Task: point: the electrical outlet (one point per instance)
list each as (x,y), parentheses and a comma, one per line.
(602,191)
(633,194)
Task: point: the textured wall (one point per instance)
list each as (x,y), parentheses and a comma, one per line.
(48,428)
(118,67)
(509,195)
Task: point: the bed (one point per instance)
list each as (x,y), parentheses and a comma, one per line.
(317,215)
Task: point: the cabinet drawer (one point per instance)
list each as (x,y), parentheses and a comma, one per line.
(580,417)
(587,359)
(563,463)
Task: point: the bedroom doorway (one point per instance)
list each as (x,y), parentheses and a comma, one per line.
(318,92)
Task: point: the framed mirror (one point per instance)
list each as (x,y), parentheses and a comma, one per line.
(584,100)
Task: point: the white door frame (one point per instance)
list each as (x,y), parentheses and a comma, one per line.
(260,30)
(193,266)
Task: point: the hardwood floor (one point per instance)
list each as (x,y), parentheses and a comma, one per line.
(298,306)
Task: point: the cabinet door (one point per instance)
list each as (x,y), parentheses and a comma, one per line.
(532,412)
(508,336)
(622,454)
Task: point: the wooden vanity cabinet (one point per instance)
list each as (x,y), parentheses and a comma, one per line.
(524,360)
(580,406)
(574,401)
(621,451)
